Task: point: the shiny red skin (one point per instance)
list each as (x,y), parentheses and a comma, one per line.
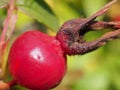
(36,61)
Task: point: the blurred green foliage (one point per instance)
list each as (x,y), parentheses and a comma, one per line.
(98,70)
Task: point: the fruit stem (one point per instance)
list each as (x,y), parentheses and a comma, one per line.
(12,83)
(9,25)
(7,86)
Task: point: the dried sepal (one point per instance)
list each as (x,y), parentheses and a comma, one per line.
(72,32)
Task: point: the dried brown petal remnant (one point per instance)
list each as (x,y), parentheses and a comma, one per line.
(72,32)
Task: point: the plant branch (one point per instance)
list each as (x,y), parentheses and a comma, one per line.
(8,26)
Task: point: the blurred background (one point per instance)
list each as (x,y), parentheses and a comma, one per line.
(98,70)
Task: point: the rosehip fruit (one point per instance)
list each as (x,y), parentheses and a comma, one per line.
(36,61)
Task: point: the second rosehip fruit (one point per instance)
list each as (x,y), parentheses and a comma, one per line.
(36,61)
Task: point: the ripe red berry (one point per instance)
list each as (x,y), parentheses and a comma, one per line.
(36,61)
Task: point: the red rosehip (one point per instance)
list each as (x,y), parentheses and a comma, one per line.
(36,61)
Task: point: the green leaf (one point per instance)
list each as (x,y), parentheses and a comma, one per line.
(64,10)
(40,11)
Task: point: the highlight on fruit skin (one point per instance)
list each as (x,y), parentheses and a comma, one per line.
(36,61)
